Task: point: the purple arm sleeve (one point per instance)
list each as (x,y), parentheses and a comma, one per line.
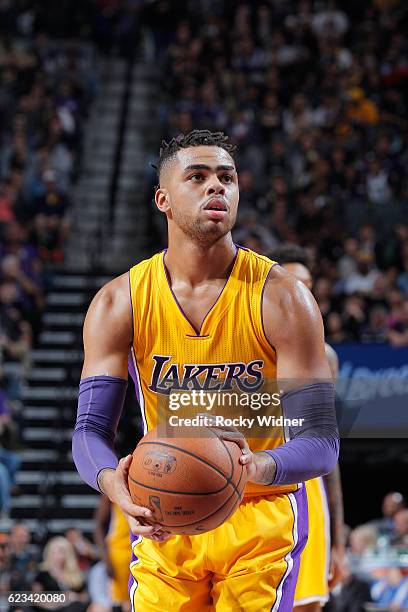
(100,405)
(313,449)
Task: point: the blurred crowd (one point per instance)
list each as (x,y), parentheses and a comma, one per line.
(314,95)
(46,87)
(377,553)
(61,566)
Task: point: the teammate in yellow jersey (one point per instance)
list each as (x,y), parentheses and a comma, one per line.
(322,564)
(205,314)
(115,548)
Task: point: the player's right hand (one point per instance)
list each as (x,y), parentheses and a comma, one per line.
(134,514)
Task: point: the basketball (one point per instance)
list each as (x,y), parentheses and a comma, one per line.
(191,484)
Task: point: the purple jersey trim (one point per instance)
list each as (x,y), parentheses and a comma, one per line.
(135,374)
(261,304)
(132,372)
(285,591)
(193,336)
(131,309)
(198,331)
(239,246)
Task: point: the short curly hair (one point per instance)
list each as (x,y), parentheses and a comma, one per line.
(290,253)
(194,138)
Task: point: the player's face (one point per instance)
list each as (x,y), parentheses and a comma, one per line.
(201,191)
(301,273)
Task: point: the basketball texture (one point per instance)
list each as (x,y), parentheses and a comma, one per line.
(191,484)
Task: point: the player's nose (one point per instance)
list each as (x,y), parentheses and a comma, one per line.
(215,187)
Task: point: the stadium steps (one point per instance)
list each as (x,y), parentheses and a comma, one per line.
(52,496)
(94,240)
(91,197)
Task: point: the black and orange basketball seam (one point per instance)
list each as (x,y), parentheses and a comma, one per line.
(148,486)
(240,496)
(182,450)
(229,454)
(203,518)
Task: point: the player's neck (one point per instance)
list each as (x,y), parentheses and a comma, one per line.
(194,264)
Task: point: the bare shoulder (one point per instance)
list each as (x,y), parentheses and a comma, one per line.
(110,310)
(114,296)
(108,330)
(294,327)
(288,305)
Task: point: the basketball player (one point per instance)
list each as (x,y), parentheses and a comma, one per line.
(115,548)
(207,314)
(318,573)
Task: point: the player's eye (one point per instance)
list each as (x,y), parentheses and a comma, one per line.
(227,178)
(196,177)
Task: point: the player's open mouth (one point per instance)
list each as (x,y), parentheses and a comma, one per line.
(216,209)
(216,204)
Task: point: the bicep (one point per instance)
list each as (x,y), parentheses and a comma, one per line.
(294,327)
(108,332)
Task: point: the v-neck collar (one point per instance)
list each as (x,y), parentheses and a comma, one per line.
(197,333)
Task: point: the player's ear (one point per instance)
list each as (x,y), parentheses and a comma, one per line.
(161,198)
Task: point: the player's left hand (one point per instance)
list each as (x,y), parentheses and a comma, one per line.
(248,458)
(339,569)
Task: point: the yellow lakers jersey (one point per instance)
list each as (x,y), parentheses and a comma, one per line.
(229,356)
(118,533)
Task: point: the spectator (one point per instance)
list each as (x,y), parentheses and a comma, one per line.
(363,280)
(353,596)
(354,317)
(51,221)
(360,109)
(60,571)
(85,551)
(24,557)
(5,492)
(376,329)
(298,117)
(327,130)
(392,503)
(15,332)
(347,265)
(377,183)
(335,332)
(363,539)
(330,23)
(391,592)
(9,460)
(401,528)
(41,119)
(398,336)
(5,563)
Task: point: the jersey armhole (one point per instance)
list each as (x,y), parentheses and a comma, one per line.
(132,314)
(261,317)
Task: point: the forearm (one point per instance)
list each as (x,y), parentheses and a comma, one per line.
(314,447)
(305,458)
(100,404)
(336,508)
(296,461)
